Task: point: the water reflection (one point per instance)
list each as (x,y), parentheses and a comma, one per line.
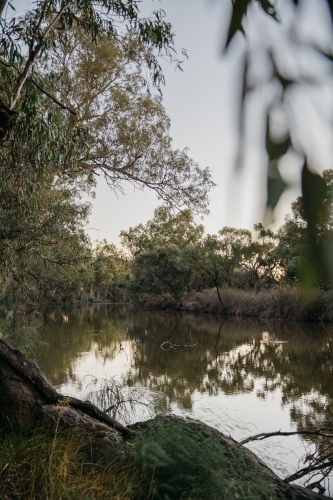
(273,375)
(227,355)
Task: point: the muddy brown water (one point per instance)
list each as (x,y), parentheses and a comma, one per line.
(241,376)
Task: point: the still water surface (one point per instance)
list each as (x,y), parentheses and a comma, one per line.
(240,376)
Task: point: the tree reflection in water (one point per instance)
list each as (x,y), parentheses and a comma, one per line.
(234,357)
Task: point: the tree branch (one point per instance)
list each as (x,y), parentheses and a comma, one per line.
(53,98)
(264,435)
(33,56)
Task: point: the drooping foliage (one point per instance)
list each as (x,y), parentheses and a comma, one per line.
(294,65)
(102,83)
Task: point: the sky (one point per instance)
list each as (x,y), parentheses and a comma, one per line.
(203,104)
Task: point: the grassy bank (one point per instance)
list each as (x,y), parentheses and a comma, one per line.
(171,459)
(38,465)
(281,303)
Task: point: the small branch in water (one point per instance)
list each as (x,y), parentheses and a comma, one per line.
(121,339)
(166,346)
(264,435)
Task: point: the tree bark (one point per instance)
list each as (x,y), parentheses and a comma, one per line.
(26,397)
(2,6)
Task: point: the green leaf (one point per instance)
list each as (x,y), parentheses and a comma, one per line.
(330,6)
(238,12)
(275,185)
(276,149)
(314,192)
(268,7)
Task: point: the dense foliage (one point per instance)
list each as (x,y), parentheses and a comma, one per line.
(172,257)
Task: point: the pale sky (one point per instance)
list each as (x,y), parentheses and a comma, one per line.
(202,102)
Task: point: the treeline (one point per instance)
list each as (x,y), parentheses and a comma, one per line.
(171,262)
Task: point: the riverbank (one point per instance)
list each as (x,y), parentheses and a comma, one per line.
(170,458)
(280,303)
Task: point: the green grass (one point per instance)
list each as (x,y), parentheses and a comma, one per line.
(182,461)
(39,465)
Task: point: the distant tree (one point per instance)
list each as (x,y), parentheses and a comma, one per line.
(165,228)
(162,271)
(111,273)
(216,257)
(260,259)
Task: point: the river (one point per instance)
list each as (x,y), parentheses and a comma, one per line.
(240,376)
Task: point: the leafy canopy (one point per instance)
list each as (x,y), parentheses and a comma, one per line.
(165,228)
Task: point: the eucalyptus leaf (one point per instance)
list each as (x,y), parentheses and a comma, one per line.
(238,12)
(275,186)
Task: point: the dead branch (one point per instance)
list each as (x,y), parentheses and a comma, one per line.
(167,346)
(264,435)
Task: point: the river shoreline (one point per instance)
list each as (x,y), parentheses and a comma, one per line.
(281,303)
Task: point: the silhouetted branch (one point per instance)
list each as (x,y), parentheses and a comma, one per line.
(264,435)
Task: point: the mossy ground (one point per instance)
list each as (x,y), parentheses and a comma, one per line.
(184,461)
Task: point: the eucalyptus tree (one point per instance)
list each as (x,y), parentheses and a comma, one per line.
(111,273)
(216,258)
(165,228)
(74,103)
(162,271)
(260,259)
(102,83)
(27,39)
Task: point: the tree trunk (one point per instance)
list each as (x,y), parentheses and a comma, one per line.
(26,396)
(2,6)
(5,117)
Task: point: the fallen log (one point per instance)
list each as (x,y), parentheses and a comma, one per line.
(27,397)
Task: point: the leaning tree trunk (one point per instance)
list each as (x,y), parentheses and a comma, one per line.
(27,396)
